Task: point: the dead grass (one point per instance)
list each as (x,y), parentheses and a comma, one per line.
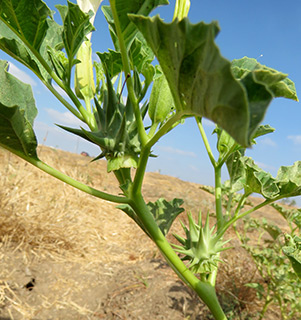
(48,224)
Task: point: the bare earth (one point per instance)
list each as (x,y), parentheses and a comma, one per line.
(67,255)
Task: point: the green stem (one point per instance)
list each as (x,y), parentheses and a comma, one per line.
(204,289)
(167,126)
(139,176)
(265,307)
(237,217)
(241,203)
(145,151)
(218,198)
(64,178)
(127,73)
(206,143)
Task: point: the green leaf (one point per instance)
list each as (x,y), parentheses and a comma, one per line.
(112,61)
(165,212)
(140,55)
(123,8)
(17,112)
(161,101)
(289,180)
(277,82)
(244,173)
(117,133)
(76,26)
(18,45)
(27,19)
(259,181)
(291,215)
(293,251)
(262,130)
(199,78)
(59,62)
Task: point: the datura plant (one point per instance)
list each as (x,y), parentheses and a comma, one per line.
(167,72)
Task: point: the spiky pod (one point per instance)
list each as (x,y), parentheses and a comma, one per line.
(201,247)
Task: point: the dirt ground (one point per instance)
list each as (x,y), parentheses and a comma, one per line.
(67,255)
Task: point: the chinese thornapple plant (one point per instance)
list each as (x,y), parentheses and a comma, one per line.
(191,79)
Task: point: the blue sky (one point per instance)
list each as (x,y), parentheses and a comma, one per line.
(268,30)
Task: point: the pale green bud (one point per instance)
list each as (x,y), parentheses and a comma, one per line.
(84,80)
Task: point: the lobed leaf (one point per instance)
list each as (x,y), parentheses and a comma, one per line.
(276,82)
(76,26)
(165,212)
(17,112)
(204,84)
(292,250)
(199,78)
(244,173)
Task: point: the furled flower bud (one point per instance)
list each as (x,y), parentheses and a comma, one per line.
(84,80)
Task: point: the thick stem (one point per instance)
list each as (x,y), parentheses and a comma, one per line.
(204,289)
(138,180)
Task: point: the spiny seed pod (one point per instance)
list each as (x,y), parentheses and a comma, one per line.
(201,247)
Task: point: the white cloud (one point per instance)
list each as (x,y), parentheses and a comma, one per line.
(208,123)
(194,168)
(268,142)
(60,91)
(59,138)
(64,118)
(265,166)
(178,151)
(21,75)
(296,139)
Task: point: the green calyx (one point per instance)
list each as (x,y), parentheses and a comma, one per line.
(201,247)
(116,133)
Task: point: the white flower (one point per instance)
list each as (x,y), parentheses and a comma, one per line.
(87,5)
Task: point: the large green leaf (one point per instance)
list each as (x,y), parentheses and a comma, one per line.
(201,80)
(17,112)
(27,18)
(123,8)
(24,35)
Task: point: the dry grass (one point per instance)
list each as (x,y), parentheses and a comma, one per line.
(47,219)
(46,225)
